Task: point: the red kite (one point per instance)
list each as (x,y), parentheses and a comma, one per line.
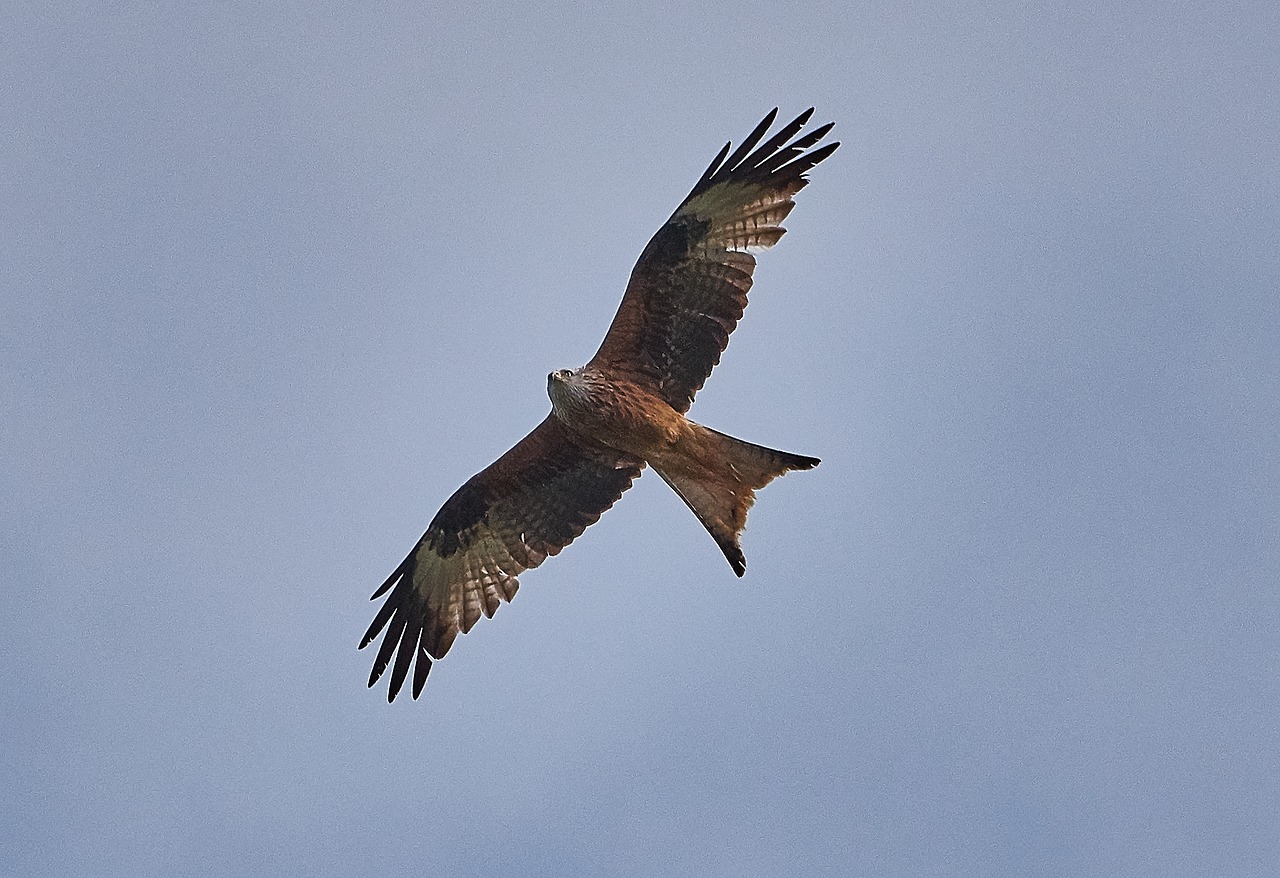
(622,410)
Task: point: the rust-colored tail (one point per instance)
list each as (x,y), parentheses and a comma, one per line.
(717,477)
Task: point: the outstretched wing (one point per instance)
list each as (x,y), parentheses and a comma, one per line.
(689,288)
(530,503)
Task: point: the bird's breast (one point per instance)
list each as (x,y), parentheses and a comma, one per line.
(617,413)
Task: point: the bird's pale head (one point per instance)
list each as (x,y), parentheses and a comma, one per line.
(566,388)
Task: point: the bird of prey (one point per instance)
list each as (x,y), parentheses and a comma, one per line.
(622,410)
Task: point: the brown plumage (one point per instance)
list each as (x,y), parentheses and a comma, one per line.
(611,417)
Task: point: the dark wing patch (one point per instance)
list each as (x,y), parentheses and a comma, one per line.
(529,504)
(688,290)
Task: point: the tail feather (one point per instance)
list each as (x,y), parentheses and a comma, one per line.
(717,477)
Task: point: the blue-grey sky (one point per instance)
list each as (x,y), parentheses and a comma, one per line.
(278,277)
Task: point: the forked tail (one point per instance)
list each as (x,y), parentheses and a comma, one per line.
(717,477)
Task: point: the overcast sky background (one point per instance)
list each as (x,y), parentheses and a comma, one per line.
(276,278)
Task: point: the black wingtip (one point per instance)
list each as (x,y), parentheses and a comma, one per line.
(401,569)
(785,154)
(714,166)
(420,671)
(379,622)
(404,656)
(750,141)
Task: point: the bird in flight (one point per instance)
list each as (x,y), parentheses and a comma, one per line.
(622,410)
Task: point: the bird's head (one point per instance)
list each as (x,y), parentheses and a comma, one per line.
(563,386)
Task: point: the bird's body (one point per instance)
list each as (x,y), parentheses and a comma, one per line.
(716,475)
(614,411)
(623,410)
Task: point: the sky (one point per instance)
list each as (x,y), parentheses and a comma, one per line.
(279,277)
